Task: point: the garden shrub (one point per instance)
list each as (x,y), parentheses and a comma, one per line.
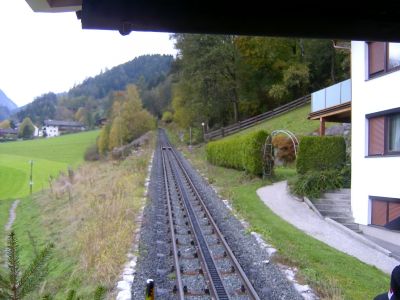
(92,153)
(345,172)
(167,117)
(314,183)
(242,152)
(318,153)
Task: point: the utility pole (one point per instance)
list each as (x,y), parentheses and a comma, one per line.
(190,138)
(31,179)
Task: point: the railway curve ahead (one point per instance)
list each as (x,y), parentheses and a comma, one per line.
(192,245)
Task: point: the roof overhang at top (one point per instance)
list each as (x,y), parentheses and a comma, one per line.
(307,19)
(55,5)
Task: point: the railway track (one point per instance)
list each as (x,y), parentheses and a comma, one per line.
(204,265)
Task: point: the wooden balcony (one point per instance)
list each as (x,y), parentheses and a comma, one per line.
(332,104)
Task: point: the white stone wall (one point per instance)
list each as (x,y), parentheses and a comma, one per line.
(51,131)
(373,176)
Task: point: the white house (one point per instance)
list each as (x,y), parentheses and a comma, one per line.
(375,192)
(37,132)
(50,130)
(371,101)
(55,128)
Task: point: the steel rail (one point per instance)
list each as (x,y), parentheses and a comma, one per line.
(249,287)
(181,295)
(217,286)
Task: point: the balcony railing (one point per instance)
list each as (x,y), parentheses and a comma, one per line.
(331,96)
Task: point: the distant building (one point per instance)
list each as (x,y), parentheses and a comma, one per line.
(101,122)
(8,132)
(37,132)
(55,128)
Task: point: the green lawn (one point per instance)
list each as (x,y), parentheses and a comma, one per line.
(333,274)
(50,156)
(33,237)
(91,237)
(295,121)
(67,148)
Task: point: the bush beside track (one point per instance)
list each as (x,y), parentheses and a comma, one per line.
(242,152)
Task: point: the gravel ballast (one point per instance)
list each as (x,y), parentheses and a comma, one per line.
(154,259)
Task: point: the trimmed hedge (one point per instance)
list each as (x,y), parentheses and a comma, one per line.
(242,152)
(318,153)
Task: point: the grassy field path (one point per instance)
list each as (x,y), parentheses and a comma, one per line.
(50,156)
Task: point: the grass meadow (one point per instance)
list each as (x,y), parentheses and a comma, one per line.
(333,274)
(295,121)
(91,220)
(50,156)
(88,214)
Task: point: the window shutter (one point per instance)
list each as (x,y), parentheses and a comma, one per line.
(379,213)
(376,51)
(394,211)
(376,142)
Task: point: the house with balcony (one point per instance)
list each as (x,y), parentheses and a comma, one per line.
(332,104)
(375,190)
(370,100)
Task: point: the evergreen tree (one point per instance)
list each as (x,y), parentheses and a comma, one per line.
(17,284)
(42,108)
(26,129)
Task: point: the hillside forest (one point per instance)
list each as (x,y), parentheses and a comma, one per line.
(215,79)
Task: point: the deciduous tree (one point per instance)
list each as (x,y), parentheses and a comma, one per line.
(5,124)
(102,142)
(129,119)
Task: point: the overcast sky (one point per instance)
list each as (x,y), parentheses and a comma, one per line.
(40,52)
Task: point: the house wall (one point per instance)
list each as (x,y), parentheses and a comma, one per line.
(37,132)
(371,176)
(51,131)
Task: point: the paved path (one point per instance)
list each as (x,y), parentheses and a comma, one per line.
(12,216)
(297,213)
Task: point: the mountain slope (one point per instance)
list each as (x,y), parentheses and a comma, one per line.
(147,70)
(6,106)
(93,97)
(6,102)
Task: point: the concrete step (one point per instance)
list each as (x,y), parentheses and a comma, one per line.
(337,195)
(335,214)
(343,220)
(336,205)
(353,226)
(333,201)
(333,207)
(340,191)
